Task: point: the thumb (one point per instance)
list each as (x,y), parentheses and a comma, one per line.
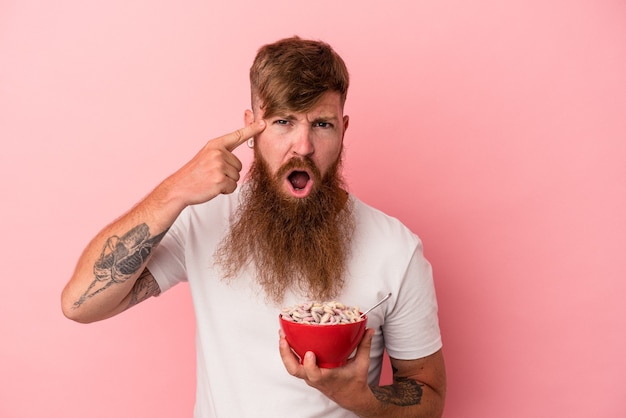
(234,139)
(363,350)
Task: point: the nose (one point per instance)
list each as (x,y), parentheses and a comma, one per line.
(303,144)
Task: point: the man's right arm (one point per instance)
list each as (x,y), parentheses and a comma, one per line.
(110,275)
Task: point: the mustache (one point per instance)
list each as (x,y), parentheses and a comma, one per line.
(298,163)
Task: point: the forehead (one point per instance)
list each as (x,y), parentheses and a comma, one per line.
(329,105)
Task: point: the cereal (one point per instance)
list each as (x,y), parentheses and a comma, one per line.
(322,313)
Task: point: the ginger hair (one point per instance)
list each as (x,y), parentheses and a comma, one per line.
(292,74)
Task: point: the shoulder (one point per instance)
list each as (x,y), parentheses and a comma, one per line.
(373,223)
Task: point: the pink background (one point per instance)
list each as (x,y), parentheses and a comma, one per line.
(496,130)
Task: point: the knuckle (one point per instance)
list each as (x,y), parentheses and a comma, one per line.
(238,134)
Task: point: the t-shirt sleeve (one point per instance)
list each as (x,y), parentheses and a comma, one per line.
(167,264)
(411,330)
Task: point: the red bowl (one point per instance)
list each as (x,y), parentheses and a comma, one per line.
(332,343)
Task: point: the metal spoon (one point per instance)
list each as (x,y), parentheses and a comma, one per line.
(381,301)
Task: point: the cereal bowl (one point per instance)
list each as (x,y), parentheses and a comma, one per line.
(332,343)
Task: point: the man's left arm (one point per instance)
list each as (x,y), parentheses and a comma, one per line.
(418,389)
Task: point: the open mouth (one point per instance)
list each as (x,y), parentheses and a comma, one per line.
(298,179)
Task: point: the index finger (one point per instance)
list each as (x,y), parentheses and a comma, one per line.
(238,137)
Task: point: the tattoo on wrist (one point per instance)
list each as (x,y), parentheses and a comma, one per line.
(121,258)
(403,392)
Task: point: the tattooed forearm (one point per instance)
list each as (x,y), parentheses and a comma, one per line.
(403,392)
(121,258)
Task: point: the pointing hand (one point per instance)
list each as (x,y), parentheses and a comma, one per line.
(213,170)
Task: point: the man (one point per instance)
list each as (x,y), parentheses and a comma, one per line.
(290,233)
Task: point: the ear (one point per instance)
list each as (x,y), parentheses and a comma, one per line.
(346,121)
(248,117)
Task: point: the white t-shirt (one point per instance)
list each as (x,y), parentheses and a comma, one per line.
(239,370)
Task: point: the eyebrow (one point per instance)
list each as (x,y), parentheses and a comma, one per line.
(292,117)
(288,116)
(325,119)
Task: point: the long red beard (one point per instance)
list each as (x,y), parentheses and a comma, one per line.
(293,244)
